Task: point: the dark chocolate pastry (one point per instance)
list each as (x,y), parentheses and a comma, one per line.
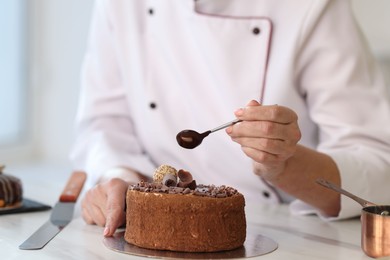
(11,191)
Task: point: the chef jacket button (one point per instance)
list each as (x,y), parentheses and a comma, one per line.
(266,194)
(152,105)
(256,30)
(151,11)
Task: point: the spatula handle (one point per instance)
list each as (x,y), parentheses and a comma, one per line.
(73,187)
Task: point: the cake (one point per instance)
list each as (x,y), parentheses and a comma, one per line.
(174,213)
(10,191)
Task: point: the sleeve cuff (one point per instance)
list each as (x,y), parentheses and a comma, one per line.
(121,173)
(298,207)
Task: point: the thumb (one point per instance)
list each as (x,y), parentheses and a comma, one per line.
(240,112)
(115,214)
(253,103)
(115,218)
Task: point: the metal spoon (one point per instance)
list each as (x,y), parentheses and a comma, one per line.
(190,139)
(329,185)
(364,203)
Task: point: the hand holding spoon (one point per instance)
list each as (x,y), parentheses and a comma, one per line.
(190,139)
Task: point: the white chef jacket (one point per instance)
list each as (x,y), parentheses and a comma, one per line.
(154,68)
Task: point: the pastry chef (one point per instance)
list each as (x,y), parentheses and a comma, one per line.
(300,76)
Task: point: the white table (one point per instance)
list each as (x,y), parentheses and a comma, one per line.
(298,237)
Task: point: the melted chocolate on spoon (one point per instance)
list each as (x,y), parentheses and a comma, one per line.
(190,139)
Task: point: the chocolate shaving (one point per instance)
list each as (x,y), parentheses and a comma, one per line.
(191,185)
(184,176)
(186,191)
(186,185)
(200,190)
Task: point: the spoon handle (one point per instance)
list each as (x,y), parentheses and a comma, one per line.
(329,185)
(225,125)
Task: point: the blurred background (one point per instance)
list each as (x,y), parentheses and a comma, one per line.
(41,50)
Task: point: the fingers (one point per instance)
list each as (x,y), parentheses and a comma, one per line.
(261,129)
(267,134)
(115,218)
(93,205)
(104,205)
(115,207)
(271,146)
(271,122)
(265,157)
(274,113)
(253,103)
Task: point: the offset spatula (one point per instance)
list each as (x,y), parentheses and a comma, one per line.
(61,215)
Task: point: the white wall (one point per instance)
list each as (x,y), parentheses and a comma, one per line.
(374,20)
(373,16)
(58,39)
(59,31)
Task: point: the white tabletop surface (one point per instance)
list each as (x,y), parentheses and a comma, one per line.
(298,237)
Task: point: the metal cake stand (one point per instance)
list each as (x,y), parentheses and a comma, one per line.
(255,245)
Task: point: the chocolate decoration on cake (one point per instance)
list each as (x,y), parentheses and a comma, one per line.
(161,171)
(10,190)
(186,217)
(169,180)
(200,190)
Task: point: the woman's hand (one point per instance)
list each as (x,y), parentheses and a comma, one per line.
(104,205)
(268,135)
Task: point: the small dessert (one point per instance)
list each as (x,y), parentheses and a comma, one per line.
(11,191)
(174,213)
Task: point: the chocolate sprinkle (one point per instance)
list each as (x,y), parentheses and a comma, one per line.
(200,190)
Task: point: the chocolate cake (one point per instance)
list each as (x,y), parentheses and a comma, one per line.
(174,213)
(10,191)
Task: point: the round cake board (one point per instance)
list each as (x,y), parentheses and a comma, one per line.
(255,245)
